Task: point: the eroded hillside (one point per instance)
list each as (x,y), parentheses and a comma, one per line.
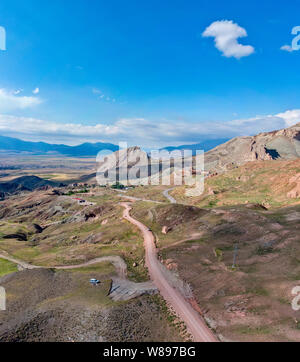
(50,247)
(283,144)
(247,301)
(268,183)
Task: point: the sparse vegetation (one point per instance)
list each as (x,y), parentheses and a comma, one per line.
(263,250)
(118,186)
(7,267)
(248,330)
(259,183)
(246,206)
(219,254)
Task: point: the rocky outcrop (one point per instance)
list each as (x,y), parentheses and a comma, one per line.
(210,191)
(166,229)
(283,144)
(129,163)
(123,162)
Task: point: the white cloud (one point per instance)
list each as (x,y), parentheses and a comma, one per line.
(102,96)
(96,91)
(287,48)
(36,91)
(140,131)
(290,117)
(10,101)
(226,33)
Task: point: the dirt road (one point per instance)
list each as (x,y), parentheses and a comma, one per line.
(169,197)
(195,324)
(132,198)
(117,261)
(21,263)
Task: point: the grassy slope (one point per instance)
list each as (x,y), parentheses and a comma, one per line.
(149,192)
(256,182)
(6,267)
(69,243)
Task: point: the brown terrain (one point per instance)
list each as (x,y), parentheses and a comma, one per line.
(283,144)
(44,305)
(57,245)
(232,253)
(182,307)
(272,184)
(249,300)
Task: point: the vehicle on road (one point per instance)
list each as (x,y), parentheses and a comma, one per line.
(94,281)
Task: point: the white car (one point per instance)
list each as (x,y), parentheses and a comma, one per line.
(94,281)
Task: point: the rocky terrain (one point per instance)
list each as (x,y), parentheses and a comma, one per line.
(121,165)
(56,302)
(241,262)
(283,144)
(277,145)
(63,307)
(235,248)
(270,184)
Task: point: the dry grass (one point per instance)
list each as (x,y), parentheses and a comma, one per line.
(251,301)
(264,182)
(6,267)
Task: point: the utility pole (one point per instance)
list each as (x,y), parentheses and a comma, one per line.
(235,255)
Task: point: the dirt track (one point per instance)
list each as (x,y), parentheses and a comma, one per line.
(194,322)
(169,197)
(117,261)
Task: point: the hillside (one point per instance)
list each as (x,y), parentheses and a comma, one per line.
(268,183)
(49,230)
(25,183)
(122,164)
(247,301)
(277,145)
(283,144)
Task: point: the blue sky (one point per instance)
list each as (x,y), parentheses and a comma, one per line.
(142,71)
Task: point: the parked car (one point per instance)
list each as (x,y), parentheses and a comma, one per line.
(94,281)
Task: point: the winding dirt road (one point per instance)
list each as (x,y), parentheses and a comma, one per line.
(169,197)
(116,260)
(195,324)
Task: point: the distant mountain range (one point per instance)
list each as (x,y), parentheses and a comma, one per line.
(204,145)
(14,145)
(282,144)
